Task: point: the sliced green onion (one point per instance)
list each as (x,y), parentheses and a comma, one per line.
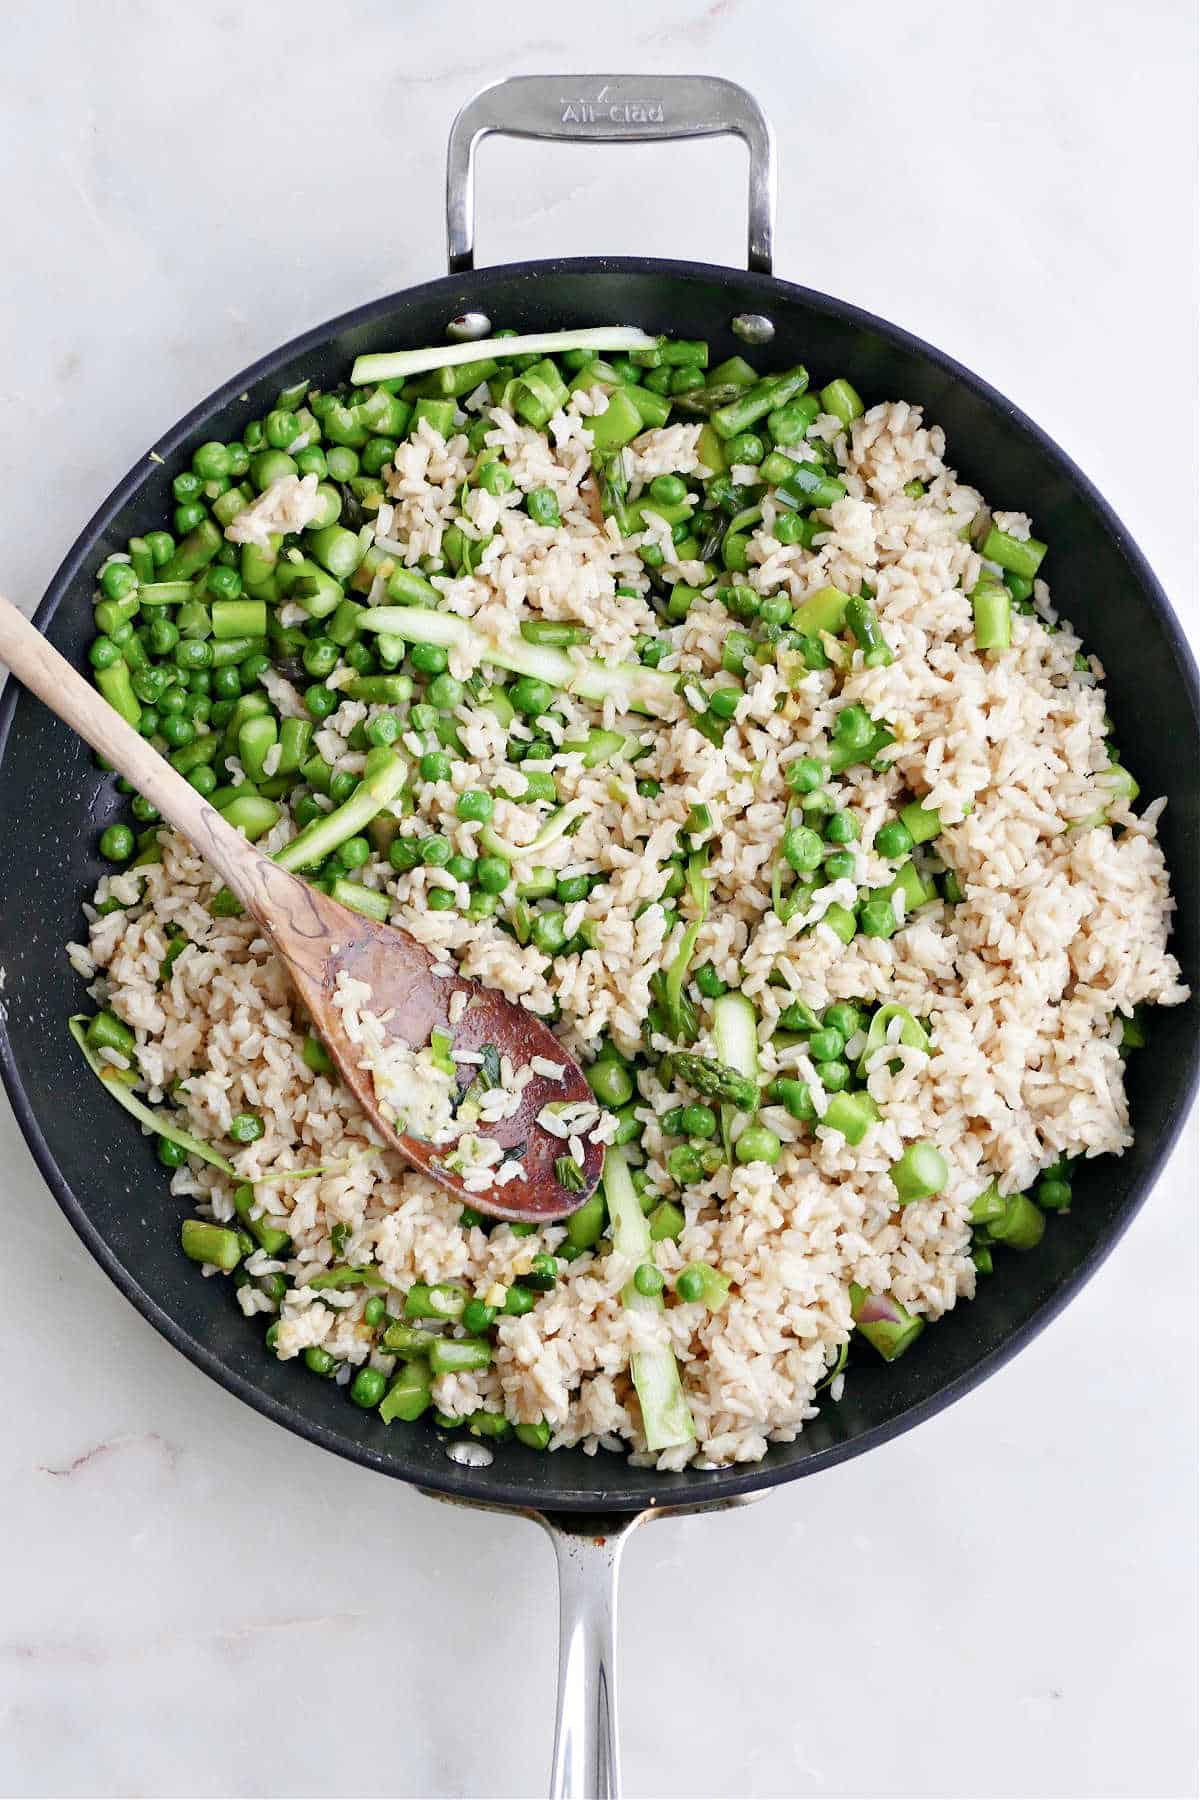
(117,1086)
(390,365)
(666,1418)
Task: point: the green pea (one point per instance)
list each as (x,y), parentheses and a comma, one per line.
(475,806)
(253,668)
(789,528)
(478,1317)
(187,485)
(893,839)
(610,1081)
(368,1387)
(321,656)
(203,779)
(709,982)
(519,1300)
(375,1311)
(842,1016)
(826,1045)
(211,462)
(570,888)
(669,490)
(493,874)
(854,727)
(833,1075)
(162,635)
(170,1155)
(384,729)
(103,653)
(377,452)
(841,828)
(246,1128)
(320,700)
(193,653)
(282,429)
(530,696)
(435,765)
(428,659)
(699,1121)
(548,933)
(649,790)
(319,1360)
(353,853)
(841,865)
(445,692)
(161,546)
(117,843)
(805,775)
(494,478)
(648,1280)
(684,1165)
(802,848)
(440,899)
(746,447)
(776,609)
(1053,1196)
(462,868)
(176,730)
(312,461)
(118,580)
(758,1144)
(542,506)
(185,518)
(436,851)
(342,463)
(226,683)
(404,854)
(723,702)
(689,1283)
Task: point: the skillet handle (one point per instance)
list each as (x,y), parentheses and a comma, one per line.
(586,1752)
(611,109)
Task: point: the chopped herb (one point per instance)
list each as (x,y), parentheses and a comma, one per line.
(569,1175)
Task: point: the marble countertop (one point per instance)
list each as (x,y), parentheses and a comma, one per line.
(193,1602)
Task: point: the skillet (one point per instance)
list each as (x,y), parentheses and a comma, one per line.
(53,804)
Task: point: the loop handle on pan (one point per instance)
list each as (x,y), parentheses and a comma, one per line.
(610,109)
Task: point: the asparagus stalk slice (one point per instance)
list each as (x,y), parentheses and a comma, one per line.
(666,1418)
(389,365)
(383,777)
(635,688)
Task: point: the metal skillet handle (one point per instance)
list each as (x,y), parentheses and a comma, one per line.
(586,1753)
(611,109)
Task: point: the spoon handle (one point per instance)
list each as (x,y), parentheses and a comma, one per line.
(37,664)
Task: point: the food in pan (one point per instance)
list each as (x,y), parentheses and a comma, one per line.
(708,714)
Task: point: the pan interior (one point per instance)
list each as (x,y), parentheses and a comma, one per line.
(54,803)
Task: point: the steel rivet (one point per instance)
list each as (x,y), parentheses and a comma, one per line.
(471,1456)
(753,328)
(468,326)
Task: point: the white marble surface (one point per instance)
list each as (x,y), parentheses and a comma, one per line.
(193,1603)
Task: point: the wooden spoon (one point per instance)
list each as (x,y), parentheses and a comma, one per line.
(316,939)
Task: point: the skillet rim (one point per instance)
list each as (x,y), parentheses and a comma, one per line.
(704,1487)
